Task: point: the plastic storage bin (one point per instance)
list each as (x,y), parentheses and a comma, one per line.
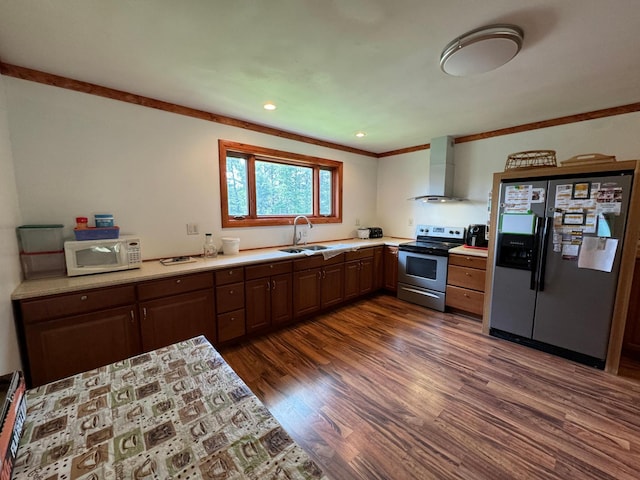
(40,238)
(41,265)
(96,233)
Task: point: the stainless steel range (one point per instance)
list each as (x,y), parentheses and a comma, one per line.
(422,265)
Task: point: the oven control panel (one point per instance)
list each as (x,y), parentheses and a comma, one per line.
(440,231)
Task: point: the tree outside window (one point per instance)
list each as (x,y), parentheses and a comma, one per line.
(261,186)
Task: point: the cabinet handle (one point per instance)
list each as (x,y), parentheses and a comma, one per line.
(466,295)
(467,258)
(178,281)
(268,286)
(230,292)
(230,272)
(84,297)
(144,312)
(319,275)
(271,266)
(324,274)
(274,285)
(232,319)
(467,274)
(133,318)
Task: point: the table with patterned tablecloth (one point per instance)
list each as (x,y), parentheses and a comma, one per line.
(178,412)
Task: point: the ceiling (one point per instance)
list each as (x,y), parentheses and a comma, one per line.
(336,67)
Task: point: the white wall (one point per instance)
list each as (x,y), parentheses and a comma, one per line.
(403,176)
(9,263)
(78,155)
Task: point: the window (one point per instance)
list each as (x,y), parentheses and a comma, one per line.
(261,187)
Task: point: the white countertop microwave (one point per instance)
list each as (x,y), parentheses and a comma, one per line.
(84,257)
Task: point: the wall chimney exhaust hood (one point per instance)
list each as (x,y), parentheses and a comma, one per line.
(440,172)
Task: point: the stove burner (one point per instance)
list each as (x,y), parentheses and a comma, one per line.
(428,248)
(434,240)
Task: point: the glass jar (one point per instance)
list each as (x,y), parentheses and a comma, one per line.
(209,248)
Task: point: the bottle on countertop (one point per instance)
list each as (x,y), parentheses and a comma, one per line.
(210,250)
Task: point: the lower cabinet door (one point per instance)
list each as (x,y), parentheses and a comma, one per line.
(258,304)
(172,319)
(306,291)
(281,299)
(332,285)
(351,279)
(71,345)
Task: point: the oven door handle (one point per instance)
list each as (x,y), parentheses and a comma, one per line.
(420,292)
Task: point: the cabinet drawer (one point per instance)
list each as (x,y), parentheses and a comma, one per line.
(466,277)
(229,297)
(464,299)
(84,301)
(316,261)
(358,254)
(267,269)
(174,285)
(229,275)
(468,261)
(231,325)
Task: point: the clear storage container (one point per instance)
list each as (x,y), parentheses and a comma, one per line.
(41,265)
(41,238)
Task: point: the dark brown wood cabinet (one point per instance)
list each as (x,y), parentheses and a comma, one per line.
(64,334)
(390,269)
(175,309)
(72,333)
(465,283)
(230,304)
(358,273)
(268,295)
(378,268)
(631,343)
(317,284)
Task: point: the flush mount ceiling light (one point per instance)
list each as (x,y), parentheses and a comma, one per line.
(361,134)
(481,50)
(269,106)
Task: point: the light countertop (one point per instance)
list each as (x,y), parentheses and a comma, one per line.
(474,252)
(153,269)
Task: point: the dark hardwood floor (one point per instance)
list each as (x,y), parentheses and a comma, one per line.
(384,389)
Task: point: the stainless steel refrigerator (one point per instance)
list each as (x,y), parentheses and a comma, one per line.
(557,259)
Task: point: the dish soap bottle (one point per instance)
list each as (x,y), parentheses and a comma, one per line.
(209,248)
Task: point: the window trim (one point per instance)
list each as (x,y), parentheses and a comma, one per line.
(261,153)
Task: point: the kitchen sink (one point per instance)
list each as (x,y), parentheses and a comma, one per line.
(291,250)
(315,247)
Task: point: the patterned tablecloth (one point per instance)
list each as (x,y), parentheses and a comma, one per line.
(178,412)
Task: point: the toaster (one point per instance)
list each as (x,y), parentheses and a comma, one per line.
(375,232)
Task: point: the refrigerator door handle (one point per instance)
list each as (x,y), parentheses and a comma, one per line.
(543,261)
(534,254)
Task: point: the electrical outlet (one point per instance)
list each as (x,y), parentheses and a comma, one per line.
(411,222)
(192,229)
(305,233)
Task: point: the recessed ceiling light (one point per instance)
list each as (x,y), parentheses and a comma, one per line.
(361,134)
(269,106)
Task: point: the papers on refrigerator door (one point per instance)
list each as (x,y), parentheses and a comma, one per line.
(517,198)
(598,253)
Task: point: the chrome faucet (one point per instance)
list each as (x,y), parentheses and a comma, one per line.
(297,237)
